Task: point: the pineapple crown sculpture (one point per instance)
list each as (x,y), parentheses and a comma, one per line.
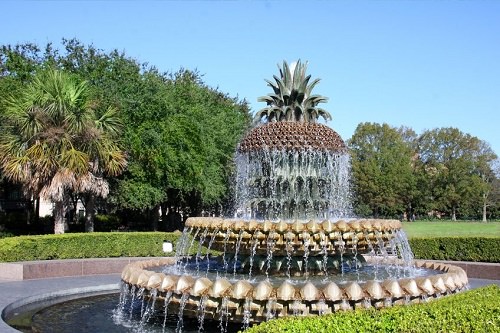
(292,99)
(289,121)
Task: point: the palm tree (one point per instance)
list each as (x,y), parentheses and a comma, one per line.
(292,99)
(54,144)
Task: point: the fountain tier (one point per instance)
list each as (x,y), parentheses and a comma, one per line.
(231,293)
(255,301)
(356,236)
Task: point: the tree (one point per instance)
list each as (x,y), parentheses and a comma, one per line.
(487,170)
(492,197)
(180,134)
(457,168)
(53,143)
(162,114)
(382,170)
(182,144)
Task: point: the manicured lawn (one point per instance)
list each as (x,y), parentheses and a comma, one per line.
(451,229)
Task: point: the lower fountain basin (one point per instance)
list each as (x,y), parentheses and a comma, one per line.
(97,312)
(262,299)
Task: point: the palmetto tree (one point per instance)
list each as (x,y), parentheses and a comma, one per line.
(292,99)
(54,144)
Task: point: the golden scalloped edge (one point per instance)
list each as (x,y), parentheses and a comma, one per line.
(343,236)
(312,226)
(286,299)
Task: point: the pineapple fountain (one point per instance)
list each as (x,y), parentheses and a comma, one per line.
(293,248)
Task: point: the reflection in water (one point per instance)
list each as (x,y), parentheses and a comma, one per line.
(100,314)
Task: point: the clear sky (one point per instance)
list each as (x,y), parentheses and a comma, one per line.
(421,64)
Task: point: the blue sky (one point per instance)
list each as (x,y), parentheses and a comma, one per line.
(421,64)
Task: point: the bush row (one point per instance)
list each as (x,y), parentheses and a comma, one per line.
(472,311)
(4,234)
(477,249)
(85,245)
(144,244)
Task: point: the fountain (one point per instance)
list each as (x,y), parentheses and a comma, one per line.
(293,247)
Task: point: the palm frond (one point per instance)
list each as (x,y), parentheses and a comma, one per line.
(63,180)
(292,95)
(16,168)
(110,122)
(115,163)
(74,160)
(89,183)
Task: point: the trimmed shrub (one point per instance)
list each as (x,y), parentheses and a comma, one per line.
(4,234)
(107,223)
(472,311)
(139,244)
(85,245)
(478,249)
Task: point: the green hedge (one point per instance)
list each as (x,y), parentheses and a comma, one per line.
(4,234)
(477,249)
(145,244)
(472,311)
(84,245)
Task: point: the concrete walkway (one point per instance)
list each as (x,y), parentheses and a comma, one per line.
(14,294)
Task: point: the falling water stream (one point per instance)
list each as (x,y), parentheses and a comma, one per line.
(280,184)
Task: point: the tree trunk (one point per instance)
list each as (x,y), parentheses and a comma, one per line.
(74,210)
(89,214)
(164,209)
(37,211)
(484,208)
(28,216)
(58,213)
(155,215)
(453,214)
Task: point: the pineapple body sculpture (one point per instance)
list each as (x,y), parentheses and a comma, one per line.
(289,165)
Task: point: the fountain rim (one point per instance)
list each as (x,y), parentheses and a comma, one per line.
(451,279)
(340,225)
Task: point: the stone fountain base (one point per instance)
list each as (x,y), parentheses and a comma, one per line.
(245,301)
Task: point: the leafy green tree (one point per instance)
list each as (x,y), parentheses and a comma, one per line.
(382,170)
(484,193)
(16,67)
(491,204)
(185,147)
(20,62)
(179,134)
(53,143)
(414,196)
(458,169)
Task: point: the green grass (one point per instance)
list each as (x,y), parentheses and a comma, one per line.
(431,229)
